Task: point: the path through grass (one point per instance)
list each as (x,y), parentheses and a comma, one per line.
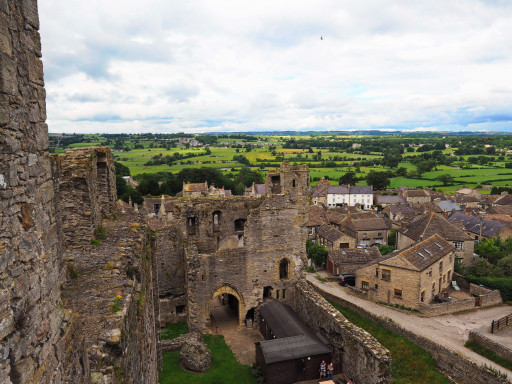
(411,363)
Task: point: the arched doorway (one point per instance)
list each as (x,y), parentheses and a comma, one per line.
(226,307)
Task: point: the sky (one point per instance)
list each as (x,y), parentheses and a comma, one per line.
(231,66)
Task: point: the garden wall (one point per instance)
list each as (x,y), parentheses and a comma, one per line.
(499,349)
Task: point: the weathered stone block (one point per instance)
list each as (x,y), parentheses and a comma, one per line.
(8,78)
(194,354)
(5,37)
(4,6)
(29,10)
(23,371)
(6,323)
(35,69)
(4,114)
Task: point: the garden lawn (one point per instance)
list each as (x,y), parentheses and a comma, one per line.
(223,370)
(411,363)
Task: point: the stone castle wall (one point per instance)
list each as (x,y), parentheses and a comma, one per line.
(30,320)
(236,246)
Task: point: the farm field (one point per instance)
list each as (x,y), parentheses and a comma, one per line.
(327,155)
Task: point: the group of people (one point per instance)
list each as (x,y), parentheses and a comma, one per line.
(327,371)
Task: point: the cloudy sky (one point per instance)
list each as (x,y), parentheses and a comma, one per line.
(197,66)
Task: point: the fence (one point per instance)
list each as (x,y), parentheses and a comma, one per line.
(496,325)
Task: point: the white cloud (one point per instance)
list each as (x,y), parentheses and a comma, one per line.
(127,66)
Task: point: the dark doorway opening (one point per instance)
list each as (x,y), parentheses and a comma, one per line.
(224,312)
(267,292)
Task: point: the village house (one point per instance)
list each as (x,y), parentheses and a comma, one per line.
(367,232)
(317,218)
(411,276)
(433,223)
(331,238)
(319,191)
(255,190)
(399,213)
(385,200)
(479,228)
(194,189)
(349,260)
(416,195)
(504,199)
(350,195)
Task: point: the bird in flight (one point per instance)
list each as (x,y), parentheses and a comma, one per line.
(321,37)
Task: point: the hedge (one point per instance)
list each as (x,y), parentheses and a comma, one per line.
(503,284)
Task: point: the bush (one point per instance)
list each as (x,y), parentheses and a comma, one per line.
(505,266)
(386,249)
(316,252)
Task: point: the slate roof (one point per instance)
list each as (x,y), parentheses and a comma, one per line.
(293,337)
(367,224)
(448,205)
(431,224)
(425,253)
(472,224)
(421,208)
(386,199)
(259,189)
(316,193)
(503,200)
(322,186)
(361,190)
(340,190)
(336,217)
(405,209)
(505,219)
(464,199)
(355,255)
(500,210)
(415,193)
(317,216)
(329,233)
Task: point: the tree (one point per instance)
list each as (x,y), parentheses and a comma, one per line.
(505,265)
(489,249)
(348,178)
(149,187)
(481,267)
(316,252)
(121,170)
(392,237)
(379,180)
(446,179)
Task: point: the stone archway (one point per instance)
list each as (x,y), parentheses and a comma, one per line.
(227,290)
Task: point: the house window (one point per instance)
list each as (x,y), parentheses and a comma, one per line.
(449,275)
(365,235)
(376,272)
(398,293)
(376,286)
(283,268)
(283,293)
(180,309)
(310,230)
(379,234)
(444,279)
(386,274)
(365,285)
(433,288)
(429,272)
(422,296)
(458,244)
(440,267)
(239,225)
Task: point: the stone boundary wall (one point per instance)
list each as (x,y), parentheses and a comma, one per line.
(438,309)
(489,297)
(499,349)
(355,352)
(451,362)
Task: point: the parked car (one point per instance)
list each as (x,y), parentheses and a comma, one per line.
(347,280)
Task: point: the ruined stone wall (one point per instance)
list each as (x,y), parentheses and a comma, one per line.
(236,246)
(355,352)
(30,320)
(87,192)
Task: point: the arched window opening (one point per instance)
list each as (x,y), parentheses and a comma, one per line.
(239,225)
(216,216)
(293,183)
(283,268)
(192,226)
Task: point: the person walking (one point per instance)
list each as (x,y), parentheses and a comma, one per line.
(330,370)
(323,370)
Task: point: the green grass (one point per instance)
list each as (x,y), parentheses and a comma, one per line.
(411,363)
(174,330)
(481,350)
(223,370)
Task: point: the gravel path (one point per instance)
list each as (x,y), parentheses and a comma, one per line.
(449,330)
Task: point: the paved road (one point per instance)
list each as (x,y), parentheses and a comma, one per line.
(449,330)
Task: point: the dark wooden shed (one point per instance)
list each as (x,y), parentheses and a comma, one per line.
(291,351)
